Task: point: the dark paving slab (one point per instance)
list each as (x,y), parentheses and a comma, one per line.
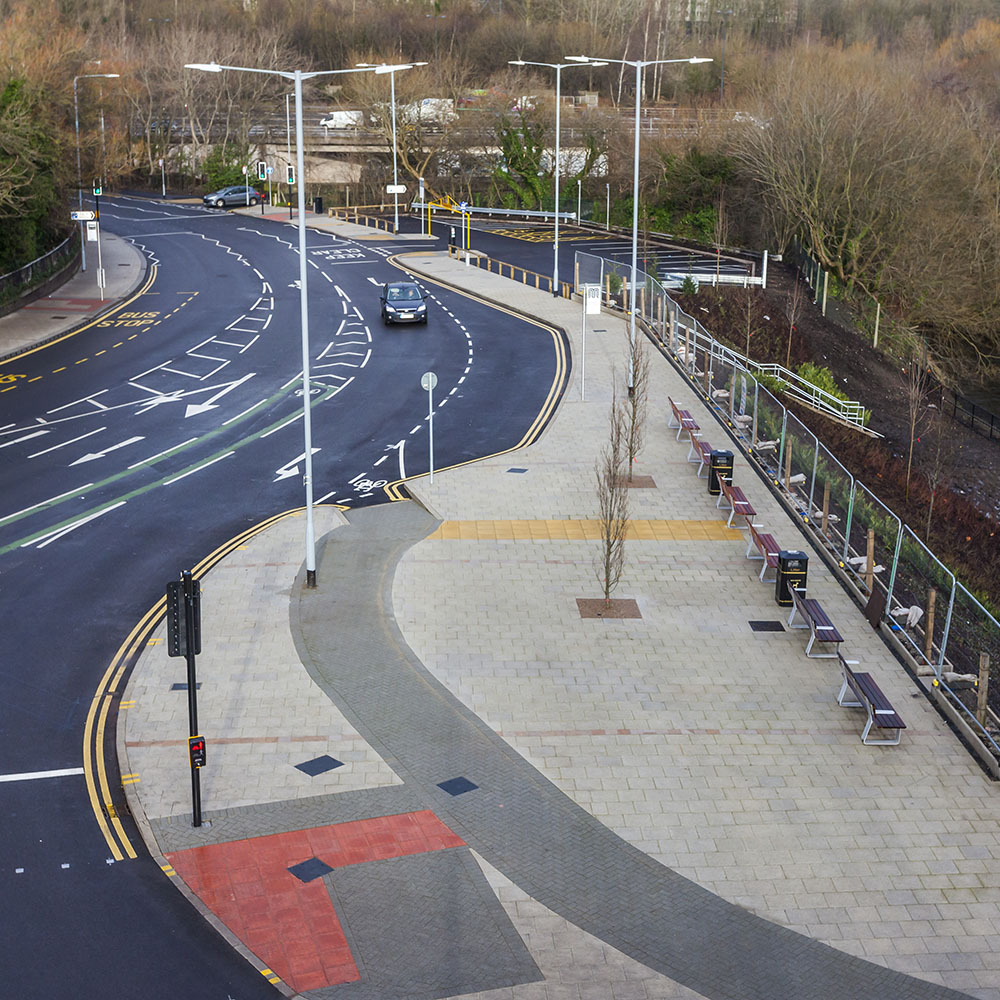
(425,926)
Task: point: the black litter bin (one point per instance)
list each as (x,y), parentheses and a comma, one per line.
(318,206)
(721,464)
(792,571)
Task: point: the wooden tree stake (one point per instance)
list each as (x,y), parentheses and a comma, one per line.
(929,631)
(984,686)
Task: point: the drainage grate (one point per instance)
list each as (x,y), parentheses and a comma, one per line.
(517,470)
(184,687)
(456,786)
(306,871)
(319,765)
(767,626)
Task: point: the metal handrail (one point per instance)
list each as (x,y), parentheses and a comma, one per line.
(417,206)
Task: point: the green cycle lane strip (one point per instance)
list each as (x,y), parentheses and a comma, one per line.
(78,520)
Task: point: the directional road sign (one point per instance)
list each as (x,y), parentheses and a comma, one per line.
(82,216)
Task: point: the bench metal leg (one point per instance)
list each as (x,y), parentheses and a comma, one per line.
(847,704)
(818,656)
(891,738)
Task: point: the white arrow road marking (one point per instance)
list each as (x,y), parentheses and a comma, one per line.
(107,451)
(59,532)
(291,468)
(210,404)
(295,283)
(402,468)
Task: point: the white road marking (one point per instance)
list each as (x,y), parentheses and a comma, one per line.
(25,437)
(53,536)
(191,472)
(35,775)
(291,468)
(160,454)
(64,443)
(35,506)
(193,409)
(90,457)
(86,399)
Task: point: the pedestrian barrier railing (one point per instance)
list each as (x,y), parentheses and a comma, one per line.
(947,630)
(687,336)
(16,282)
(564,289)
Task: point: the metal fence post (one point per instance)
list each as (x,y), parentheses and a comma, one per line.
(895,564)
(850,518)
(781,447)
(947,627)
(812,485)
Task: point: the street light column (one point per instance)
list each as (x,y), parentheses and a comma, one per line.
(79,176)
(555,254)
(395,167)
(304,304)
(635,232)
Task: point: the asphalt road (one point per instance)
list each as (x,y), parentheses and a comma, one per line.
(132,450)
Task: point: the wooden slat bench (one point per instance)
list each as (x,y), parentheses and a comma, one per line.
(738,503)
(815,619)
(700,453)
(767,547)
(867,695)
(682,420)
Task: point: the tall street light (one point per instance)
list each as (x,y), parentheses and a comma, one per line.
(297,76)
(79,172)
(558,67)
(392,70)
(639,65)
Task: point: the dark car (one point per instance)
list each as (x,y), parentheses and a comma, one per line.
(403,302)
(238,194)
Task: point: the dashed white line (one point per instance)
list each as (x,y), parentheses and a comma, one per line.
(35,775)
(160,454)
(191,472)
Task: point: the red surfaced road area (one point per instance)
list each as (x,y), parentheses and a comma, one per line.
(288,924)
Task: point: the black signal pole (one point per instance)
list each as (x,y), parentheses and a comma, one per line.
(188,584)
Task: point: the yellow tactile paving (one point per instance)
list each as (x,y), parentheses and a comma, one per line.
(582,530)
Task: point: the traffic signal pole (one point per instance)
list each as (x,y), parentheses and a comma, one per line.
(189,622)
(184,639)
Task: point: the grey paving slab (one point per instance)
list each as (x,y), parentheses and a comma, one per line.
(521,823)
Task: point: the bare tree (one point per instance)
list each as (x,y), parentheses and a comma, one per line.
(613,503)
(917,387)
(635,404)
(938,471)
(793,310)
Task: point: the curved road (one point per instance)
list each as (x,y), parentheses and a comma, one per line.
(143,442)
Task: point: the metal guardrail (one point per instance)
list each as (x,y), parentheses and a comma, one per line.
(687,335)
(797,387)
(521,213)
(14,283)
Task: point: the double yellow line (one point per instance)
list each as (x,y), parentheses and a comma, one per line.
(95,752)
(394,490)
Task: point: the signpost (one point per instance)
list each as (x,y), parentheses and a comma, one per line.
(591,299)
(427,382)
(163,179)
(184,639)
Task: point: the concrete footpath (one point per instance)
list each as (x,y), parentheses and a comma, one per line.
(432,777)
